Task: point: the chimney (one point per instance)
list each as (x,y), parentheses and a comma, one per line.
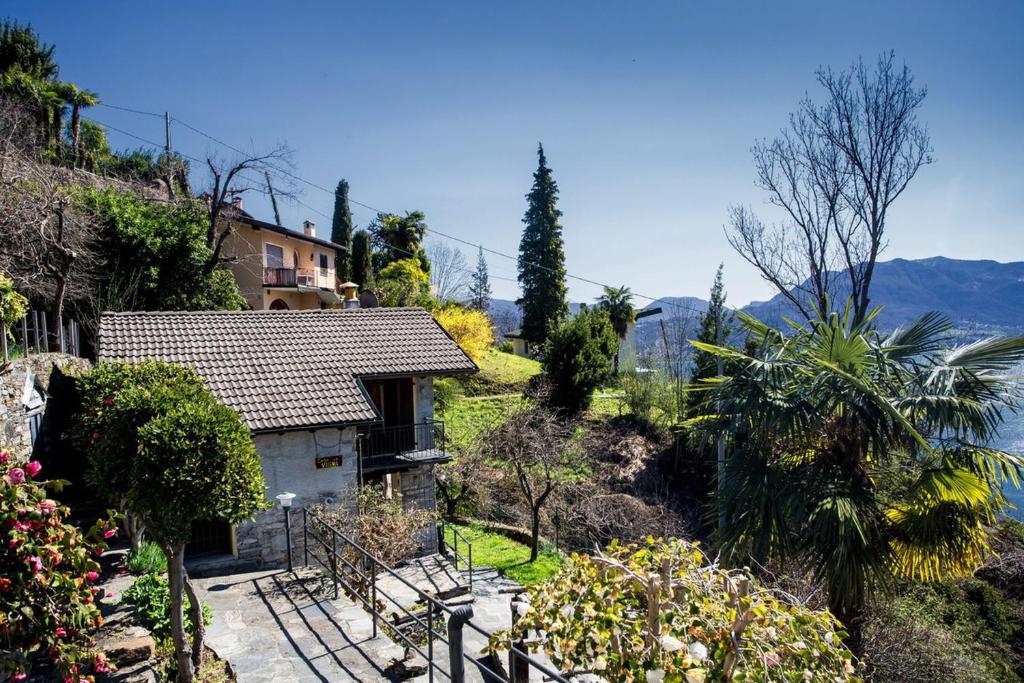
(236,203)
(309,227)
(349,294)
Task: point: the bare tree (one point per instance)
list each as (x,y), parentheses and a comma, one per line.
(45,245)
(534,443)
(449,273)
(834,172)
(235,177)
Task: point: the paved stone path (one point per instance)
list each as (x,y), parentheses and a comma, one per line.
(271,626)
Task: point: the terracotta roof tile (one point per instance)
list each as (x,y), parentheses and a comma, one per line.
(288,369)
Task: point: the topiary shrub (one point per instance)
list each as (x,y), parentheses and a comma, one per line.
(48,571)
(160,443)
(658,611)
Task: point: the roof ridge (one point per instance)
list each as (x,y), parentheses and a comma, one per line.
(307,311)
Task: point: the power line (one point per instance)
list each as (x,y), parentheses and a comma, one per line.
(128,109)
(652,300)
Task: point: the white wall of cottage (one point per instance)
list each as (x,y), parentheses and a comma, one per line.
(288,460)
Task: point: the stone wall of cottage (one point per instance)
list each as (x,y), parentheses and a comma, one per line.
(15,432)
(289,465)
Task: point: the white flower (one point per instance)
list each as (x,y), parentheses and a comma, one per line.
(567,611)
(697,650)
(808,676)
(670,644)
(655,676)
(522,608)
(829,636)
(590,678)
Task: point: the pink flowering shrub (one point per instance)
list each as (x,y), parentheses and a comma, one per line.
(47,575)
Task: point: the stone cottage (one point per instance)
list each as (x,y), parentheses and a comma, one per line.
(335,399)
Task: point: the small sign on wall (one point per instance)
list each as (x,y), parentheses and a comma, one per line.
(328,462)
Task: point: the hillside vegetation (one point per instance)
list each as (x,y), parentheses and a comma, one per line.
(500,373)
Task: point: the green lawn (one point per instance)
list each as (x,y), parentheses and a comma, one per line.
(470,417)
(500,373)
(509,557)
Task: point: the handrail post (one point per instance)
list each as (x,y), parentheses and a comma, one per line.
(470,567)
(518,670)
(373,589)
(457,664)
(305,537)
(430,641)
(334,561)
(455,555)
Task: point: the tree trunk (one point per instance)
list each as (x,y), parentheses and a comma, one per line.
(534,534)
(76,134)
(195,615)
(58,307)
(176,581)
(134,528)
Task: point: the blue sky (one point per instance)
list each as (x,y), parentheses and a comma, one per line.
(647,112)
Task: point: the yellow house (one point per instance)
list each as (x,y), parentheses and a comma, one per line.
(277,268)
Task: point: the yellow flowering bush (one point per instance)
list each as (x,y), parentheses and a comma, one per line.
(471,329)
(660,612)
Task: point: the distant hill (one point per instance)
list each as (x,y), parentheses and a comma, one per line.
(979,296)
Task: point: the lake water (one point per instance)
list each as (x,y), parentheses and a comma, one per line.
(1011,439)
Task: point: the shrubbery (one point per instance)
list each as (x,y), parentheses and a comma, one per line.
(151,595)
(578,358)
(148,558)
(48,571)
(471,329)
(658,612)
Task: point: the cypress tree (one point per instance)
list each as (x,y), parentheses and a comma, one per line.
(362,268)
(714,329)
(341,231)
(542,258)
(480,285)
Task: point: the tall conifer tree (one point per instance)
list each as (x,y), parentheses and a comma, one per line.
(542,258)
(714,329)
(362,266)
(480,285)
(341,231)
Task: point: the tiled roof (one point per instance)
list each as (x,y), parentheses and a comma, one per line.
(288,369)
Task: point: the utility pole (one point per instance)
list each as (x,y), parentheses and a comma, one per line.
(721,436)
(273,198)
(170,156)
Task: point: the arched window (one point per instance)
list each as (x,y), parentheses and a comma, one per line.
(278,305)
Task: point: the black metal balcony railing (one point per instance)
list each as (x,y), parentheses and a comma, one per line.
(395,446)
(279,277)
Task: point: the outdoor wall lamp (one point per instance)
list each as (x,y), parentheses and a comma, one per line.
(286,503)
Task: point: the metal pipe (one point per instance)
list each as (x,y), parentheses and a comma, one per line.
(456,650)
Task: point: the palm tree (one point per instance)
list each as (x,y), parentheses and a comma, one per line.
(78,99)
(619,304)
(865,456)
(400,237)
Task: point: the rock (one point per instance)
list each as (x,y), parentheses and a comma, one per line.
(131,650)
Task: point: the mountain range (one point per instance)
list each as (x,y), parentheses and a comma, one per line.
(983,297)
(980,297)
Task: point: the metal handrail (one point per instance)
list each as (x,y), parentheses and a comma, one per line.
(457,617)
(456,555)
